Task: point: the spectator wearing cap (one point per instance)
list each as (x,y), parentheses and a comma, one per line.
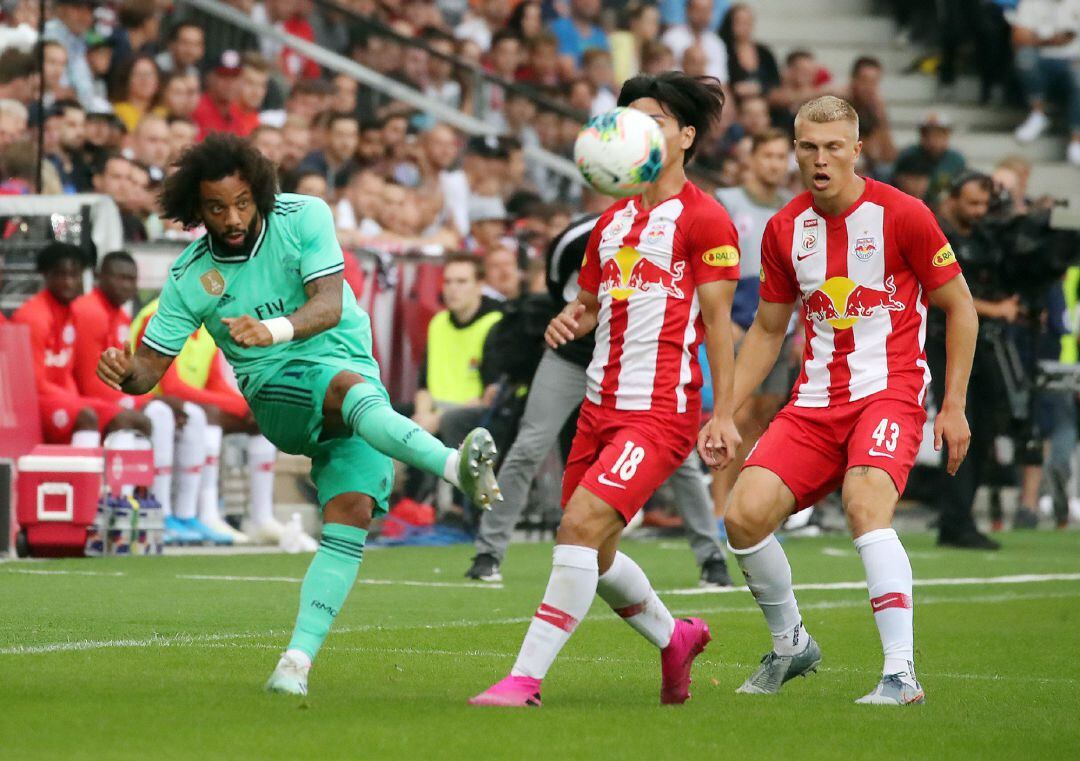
(184,50)
(71,21)
(488,224)
(99,55)
(945,164)
(68,156)
(578,32)
(336,162)
(218,109)
(139,83)
(698,30)
(1046,35)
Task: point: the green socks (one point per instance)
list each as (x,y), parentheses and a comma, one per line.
(326,585)
(371,417)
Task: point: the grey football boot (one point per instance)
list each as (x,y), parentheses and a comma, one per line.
(476,469)
(776,669)
(892,690)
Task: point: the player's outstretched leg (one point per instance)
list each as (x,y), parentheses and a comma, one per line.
(471,468)
(327,582)
(626,588)
(759,504)
(889,581)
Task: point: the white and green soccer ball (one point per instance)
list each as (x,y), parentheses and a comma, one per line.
(619,152)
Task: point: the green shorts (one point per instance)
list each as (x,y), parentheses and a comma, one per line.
(288,409)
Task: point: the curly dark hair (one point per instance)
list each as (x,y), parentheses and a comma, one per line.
(215,158)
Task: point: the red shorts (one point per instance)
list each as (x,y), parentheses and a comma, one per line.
(811,449)
(58,415)
(622,456)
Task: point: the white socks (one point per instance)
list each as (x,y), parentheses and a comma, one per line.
(888,579)
(768,575)
(569,594)
(86,439)
(450,470)
(208,488)
(627,590)
(163,442)
(190,459)
(261,455)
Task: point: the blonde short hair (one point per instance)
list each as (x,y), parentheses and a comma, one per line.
(829,108)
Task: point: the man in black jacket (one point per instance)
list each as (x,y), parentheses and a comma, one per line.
(557,390)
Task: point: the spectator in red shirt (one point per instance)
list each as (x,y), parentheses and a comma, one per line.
(66,414)
(219,109)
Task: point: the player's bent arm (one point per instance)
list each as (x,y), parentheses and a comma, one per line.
(578,318)
(133,374)
(322,310)
(961,332)
(588,319)
(760,348)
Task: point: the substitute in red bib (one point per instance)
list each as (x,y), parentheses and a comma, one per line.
(658,277)
(865,260)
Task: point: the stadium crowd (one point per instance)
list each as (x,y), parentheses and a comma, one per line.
(126,86)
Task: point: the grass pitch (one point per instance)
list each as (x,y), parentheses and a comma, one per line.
(165,658)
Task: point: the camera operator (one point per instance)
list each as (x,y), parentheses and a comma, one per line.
(961,216)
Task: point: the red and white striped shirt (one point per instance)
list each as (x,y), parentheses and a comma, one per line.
(644,265)
(863,277)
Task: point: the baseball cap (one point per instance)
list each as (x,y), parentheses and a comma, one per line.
(227,64)
(485,146)
(95,39)
(487,209)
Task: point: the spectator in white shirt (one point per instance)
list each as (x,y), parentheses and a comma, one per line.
(697,31)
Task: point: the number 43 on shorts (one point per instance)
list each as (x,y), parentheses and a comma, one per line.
(885,437)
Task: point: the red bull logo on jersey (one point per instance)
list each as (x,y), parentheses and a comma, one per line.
(865,248)
(628,272)
(842,302)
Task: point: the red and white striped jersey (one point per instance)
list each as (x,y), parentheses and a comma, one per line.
(644,265)
(863,277)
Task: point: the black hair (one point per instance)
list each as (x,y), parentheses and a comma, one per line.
(726,31)
(174,33)
(796,55)
(516,21)
(863,62)
(115,256)
(694,101)
(968,176)
(62,106)
(104,159)
(218,156)
(465,257)
(54,254)
(338,116)
(504,34)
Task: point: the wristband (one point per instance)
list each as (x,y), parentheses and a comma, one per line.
(281,329)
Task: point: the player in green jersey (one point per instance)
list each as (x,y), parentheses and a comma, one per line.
(266,280)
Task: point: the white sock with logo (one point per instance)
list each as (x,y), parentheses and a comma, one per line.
(190,459)
(626,588)
(768,574)
(261,455)
(208,488)
(889,581)
(570,592)
(163,442)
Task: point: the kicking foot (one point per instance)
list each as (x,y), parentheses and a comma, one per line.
(485,567)
(476,469)
(290,676)
(689,639)
(895,690)
(513,691)
(776,669)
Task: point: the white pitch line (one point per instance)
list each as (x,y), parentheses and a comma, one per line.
(58,572)
(375,582)
(1029,578)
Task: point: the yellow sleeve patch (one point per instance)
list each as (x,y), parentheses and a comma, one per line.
(721,256)
(761,274)
(944,257)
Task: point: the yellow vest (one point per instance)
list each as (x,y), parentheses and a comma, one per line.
(1068,341)
(194,361)
(453,357)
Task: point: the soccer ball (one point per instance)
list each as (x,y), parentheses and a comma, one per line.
(620,151)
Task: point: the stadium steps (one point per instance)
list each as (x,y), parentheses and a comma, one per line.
(786,28)
(979,147)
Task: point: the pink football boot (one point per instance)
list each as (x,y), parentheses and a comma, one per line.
(514,691)
(690,637)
